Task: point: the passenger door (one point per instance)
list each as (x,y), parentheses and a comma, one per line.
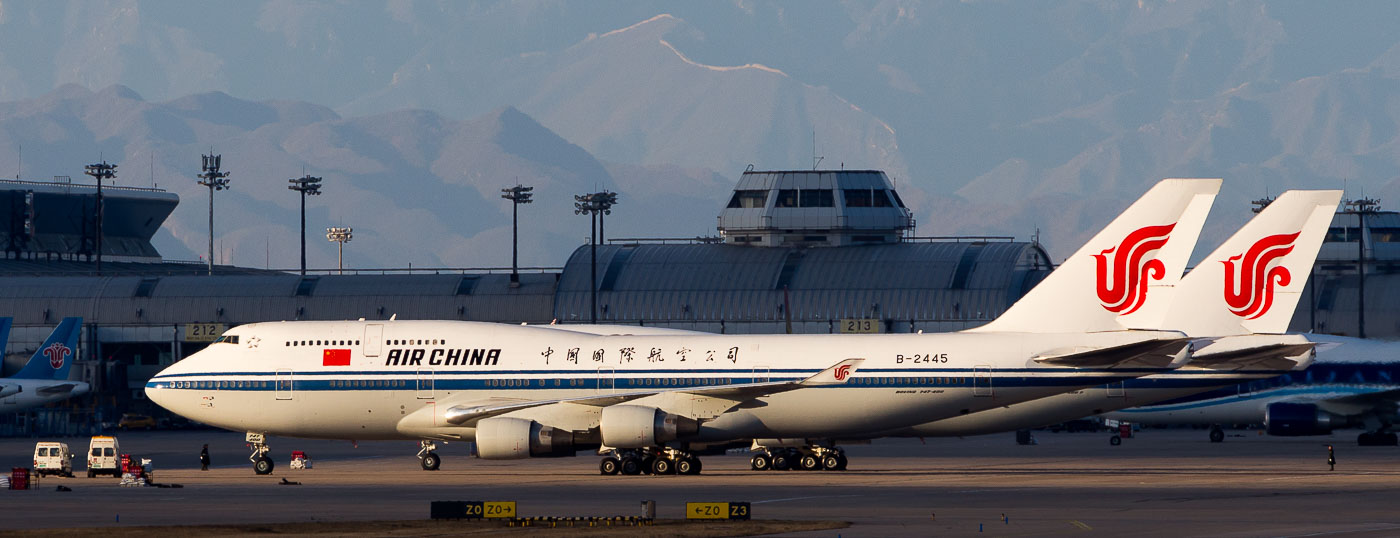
(283,384)
(425,383)
(982,381)
(374,339)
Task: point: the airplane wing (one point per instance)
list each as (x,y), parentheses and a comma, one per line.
(467,414)
(1273,357)
(1162,353)
(1356,404)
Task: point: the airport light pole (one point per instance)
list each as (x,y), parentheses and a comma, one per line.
(100,171)
(595,205)
(216,181)
(341,236)
(519,194)
(311,185)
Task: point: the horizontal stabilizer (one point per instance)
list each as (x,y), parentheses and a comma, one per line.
(55,390)
(1162,353)
(1253,352)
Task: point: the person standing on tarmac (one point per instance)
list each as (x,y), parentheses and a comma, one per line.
(204,458)
(1331,459)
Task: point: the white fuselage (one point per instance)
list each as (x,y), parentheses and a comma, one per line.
(20,394)
(395,379)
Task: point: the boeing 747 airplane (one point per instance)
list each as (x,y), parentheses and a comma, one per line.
(649,397)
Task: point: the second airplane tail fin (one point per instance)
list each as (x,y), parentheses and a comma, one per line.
(1107,284)
(53,359)
(1253,281)
(5,333)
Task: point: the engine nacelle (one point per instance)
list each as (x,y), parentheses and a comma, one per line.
(1293,419)
(635,426)
(505,438)
(10,390)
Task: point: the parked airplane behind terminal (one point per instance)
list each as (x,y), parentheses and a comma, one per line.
(650,398)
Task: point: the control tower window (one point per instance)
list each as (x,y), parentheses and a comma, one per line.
(1343,235)
(817,198)
(748,199)
(882,199)
(897,201)
(1385,235)
(787,198)
(858,197)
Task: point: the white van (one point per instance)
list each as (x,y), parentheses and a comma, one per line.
(104,456)
(52,458)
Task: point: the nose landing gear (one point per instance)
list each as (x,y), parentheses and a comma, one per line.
(427,455)
(262,463)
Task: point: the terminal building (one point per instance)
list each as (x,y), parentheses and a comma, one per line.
(796,251)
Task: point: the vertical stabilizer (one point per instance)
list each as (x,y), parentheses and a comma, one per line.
(53,359)
(1253,281)
(5,324)
(1108,284)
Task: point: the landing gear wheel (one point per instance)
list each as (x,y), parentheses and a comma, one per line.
(810,462)
(830,462)
(1389,439)
(263,465)
(843,459)
(1115,440)
(781,462)
(608,466)
(647,463)
(1217,435)
(761,462)
(431,461)
(631,466)
(688,466)
(662,466)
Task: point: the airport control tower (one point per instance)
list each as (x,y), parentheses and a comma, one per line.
(814,208)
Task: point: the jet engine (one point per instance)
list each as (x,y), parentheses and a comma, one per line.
(1293,419)
(635,426)
(505,438)
(9,390)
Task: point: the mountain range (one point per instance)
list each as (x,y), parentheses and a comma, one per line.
(994,117)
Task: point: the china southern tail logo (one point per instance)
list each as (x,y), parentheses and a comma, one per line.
(57,354)
(1123,271)
(1249,286)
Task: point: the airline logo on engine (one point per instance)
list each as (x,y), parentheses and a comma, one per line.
(1249,285)
(443,357)
(1123,271)
(57,354)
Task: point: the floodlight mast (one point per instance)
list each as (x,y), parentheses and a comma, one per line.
(216,181)
(99,172)
(311,185)
(595,205)
(519,194)
(341,236)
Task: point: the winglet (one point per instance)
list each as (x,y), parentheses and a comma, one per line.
(53,359)
(837,374)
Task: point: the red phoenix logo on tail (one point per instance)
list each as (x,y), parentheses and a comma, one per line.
(1122,281)
(843,371)
(57,354)
(1249,287)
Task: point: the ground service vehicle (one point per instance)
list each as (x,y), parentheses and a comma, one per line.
(51,458)
(104,456)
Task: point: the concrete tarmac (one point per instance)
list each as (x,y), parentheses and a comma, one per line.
(1159,483)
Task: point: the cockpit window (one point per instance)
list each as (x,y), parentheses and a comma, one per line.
(227,339)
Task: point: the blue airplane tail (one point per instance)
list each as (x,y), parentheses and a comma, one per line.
(5,333)
(55,356)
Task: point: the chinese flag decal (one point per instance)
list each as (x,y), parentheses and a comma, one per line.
(335,357)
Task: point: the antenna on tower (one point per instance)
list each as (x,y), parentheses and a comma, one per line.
(19,168)
(816,160)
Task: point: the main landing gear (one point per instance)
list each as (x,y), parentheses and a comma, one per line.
(262,463)
(807,458)
(656,461)
(1217,435)
(1377,438)
(427,455)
